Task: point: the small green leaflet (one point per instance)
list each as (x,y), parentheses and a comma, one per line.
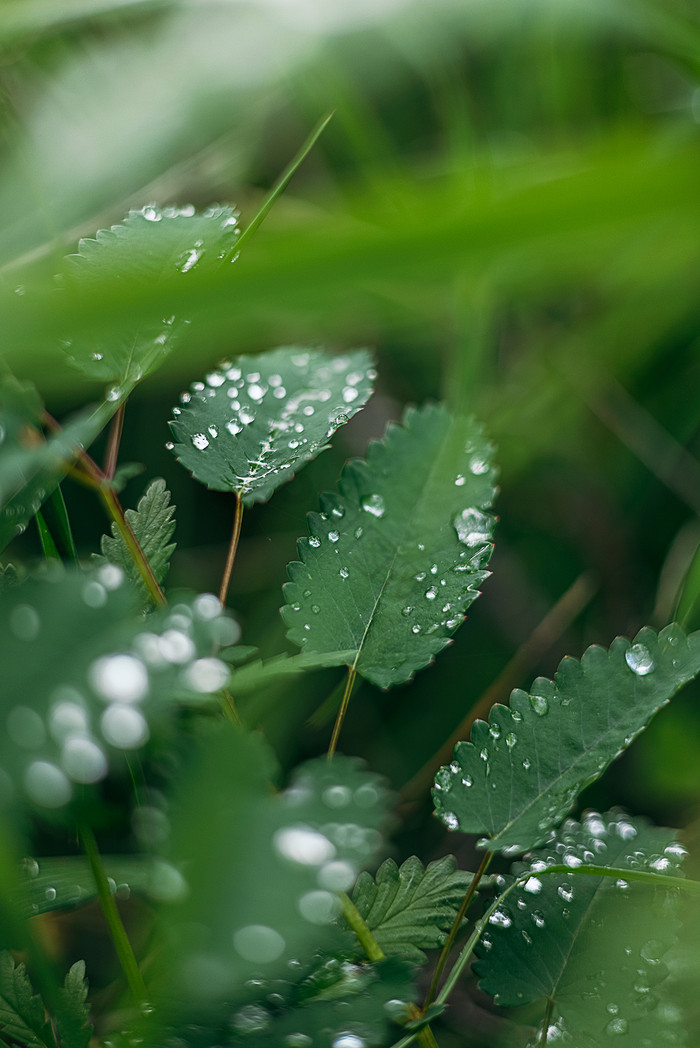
(153,526)
(151,244)
(262,869)
(72,1010)
(88,678)
(255,421)
(30,465)
(410,908)
(520,773)
(393,561)
(56,883)
(592,945)
(22,1018)
(358,1008)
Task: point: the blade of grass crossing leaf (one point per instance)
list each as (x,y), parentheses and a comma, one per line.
(283,181)
(47,543)
(55,516)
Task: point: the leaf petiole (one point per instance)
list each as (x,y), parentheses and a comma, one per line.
(345,701)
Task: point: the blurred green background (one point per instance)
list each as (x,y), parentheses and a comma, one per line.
(505,207)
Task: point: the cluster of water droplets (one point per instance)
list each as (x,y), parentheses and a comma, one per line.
(64,738)
(300,399)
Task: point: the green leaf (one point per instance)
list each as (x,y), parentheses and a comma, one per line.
(256,421)
(49,884)
(409,908)
(394,561)
(520,773)
(30,465)
(591,945)
(72,1010)
(255,674)
(87,679)
(150,246)
(262,869)
(358,1005)
(153,526)
(22,1018)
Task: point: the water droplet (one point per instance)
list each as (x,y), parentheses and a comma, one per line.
(343,573)
(566,894)
(374,504)
(25,623)
(189,259)
(333,536)
(119,678)
(639,660)
(511,740)
(304,845)
(67,717)
(443,778)
(256,392)
(539,704)
(47,785)
(206,675)
(500,919)
(460,481)
(200,441)
(94,595)
(258,943)
(83,760)
(406,611)
(450,819)
(416,629)
(533,885)
(215,379)
(350,394)
(617,1025)
(338,876)
(319,907)
(467,780)
(348,1040)
(314,542)
(213,431)
(315,609)
(538,918)
(473,527)
(431,594)
(124,727)
(527,764)
(478,465)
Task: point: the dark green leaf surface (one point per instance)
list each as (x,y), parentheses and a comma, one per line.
(396,558)
(263,869)
(22,1018)
(153,526)
(150,245)
(88,679)
(256,420)
(72,1010)
(411,908)
(521,772)
(593,945)
(31,466)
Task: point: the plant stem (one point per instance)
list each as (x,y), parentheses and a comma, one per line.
(352,673)
(233,546)
(115,434)
(546,1020)
(283,181)
(114,508)
(114,921)
(454,930)
(375,953)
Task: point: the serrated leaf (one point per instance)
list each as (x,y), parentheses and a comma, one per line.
(520,773)
(22,1018)
(256,674)
(263,869)
(591,945)
(395,559)
(153,526)
(151,244)
(30,465)
(410,908)
(72,1011)
(49,884)
(87,679)
(256,421)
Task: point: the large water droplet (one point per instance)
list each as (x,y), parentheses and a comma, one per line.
(539,704)
(617,1025)
(206,675)
(258,943)
(639,660)
(83,760)
(473,527)
(304,845)
(119,678)
(450,819)
(47,785)
(500,919)
(124,727)
(200,441)
(374,504)
(348,1040)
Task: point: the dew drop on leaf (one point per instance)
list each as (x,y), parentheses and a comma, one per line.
(639,660)
(618,1025)
(473,527)
(539,704)
(533,885)
(500,919)
(348,1040)
(450,819)
(374,504)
